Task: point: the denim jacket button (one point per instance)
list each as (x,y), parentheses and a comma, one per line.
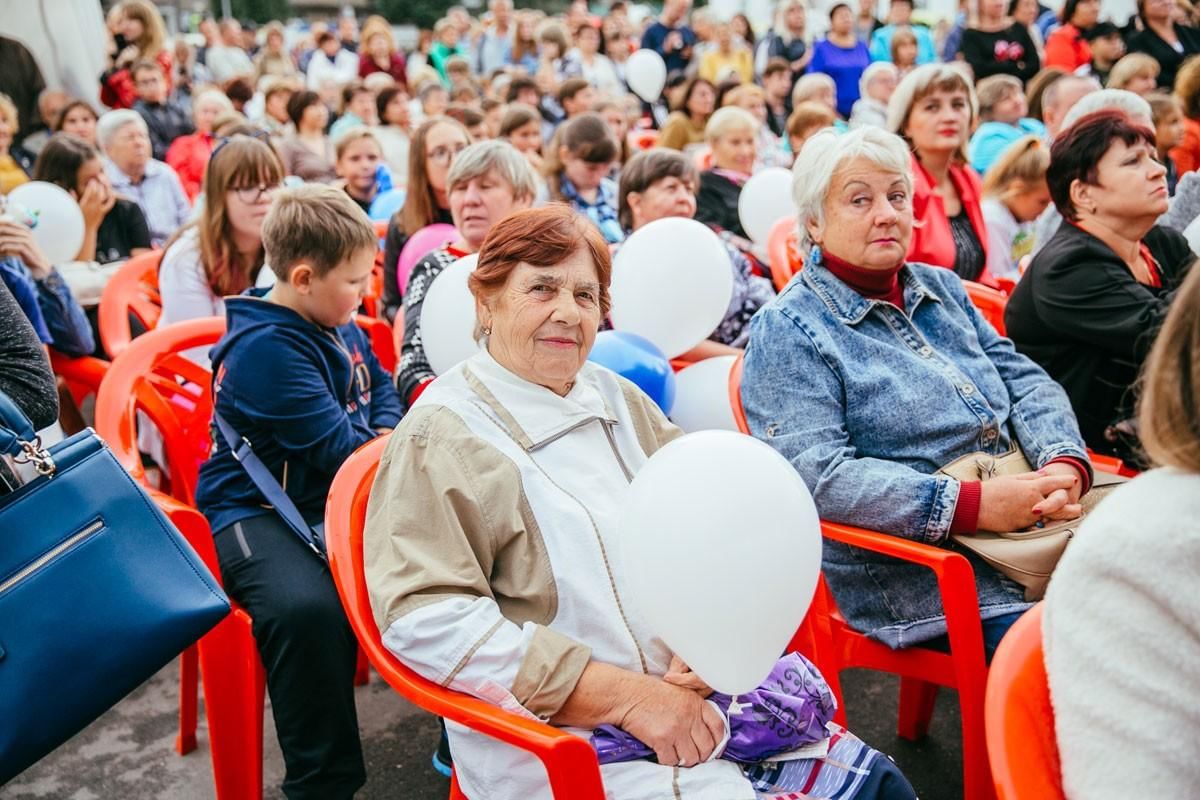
(772,430)
(968,389)
(926,351)
(989,435)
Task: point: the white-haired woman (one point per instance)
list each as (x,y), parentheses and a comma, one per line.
(487,182)
(732,133)
(877,85)
(934,110)
(133,173)
(870,373)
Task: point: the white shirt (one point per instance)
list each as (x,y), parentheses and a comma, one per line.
(1008,240)
(228,62)
(341,70)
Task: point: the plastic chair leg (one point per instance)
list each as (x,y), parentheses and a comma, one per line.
(234,689)
(362,670)
(916,708)
(189,686)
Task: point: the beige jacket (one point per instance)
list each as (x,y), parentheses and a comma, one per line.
(493,561)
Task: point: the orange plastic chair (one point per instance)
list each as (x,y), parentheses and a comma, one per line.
(569,760)
(642,139)
(133,290)
(83,374)
(921,670)
(782,253)
(1019,718)
(990,303)
(703,158)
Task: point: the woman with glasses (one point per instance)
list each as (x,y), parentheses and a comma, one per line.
(221,252)
(434,146)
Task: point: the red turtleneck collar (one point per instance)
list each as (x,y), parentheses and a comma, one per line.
(873,284)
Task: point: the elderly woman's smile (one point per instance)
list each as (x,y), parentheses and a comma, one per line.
(543,321)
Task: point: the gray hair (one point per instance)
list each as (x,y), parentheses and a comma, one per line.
(111,123)
(728,119)
(922,81)
(807,84)
(1119,99)
(481,158)
(875,68)
(824,153)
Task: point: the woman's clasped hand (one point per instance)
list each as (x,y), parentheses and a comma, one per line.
(1014,502)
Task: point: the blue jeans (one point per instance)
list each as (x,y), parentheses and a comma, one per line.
(993,631)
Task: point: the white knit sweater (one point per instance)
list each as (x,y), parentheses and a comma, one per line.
(1122,639)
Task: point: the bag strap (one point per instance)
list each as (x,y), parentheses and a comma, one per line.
(15,427)
(266,483)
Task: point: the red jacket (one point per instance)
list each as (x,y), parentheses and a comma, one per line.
(1067,49)
(1187,154)
(932,242)
(188,156)
(116,88)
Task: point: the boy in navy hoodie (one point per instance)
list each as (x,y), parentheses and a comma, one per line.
(296,378)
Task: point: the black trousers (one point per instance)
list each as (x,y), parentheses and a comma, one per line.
(308,650)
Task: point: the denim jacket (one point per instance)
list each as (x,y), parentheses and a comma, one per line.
(868,401)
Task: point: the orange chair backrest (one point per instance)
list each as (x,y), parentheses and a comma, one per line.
(382,341)
(152,376)
(132,290)
(642,140)
(782,252)
(1018,717)
(735,393)
(990,303)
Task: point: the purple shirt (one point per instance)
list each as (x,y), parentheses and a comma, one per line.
(844,66)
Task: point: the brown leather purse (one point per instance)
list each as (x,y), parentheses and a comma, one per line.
(1027,556)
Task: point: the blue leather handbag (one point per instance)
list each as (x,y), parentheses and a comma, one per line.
(98,590)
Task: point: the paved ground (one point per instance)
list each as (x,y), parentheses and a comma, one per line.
(127,753)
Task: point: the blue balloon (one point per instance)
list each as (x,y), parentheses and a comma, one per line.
(386,204)
(638,360)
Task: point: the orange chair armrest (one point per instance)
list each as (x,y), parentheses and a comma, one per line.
(84,370)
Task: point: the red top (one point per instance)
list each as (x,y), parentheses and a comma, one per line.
(1186,154)
(1067,49)
(116,90)
(873,284)
(367,66)
(188,156)
(932,241)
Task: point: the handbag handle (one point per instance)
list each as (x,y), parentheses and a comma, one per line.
(15,427)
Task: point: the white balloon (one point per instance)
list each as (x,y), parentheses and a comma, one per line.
(448,316)
(646,74)
(722,545)
(59,221)
(672,281)
(765,198)
(702,396)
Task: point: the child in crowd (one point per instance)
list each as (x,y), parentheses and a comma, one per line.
(807,119)
(297,379)
(1167,113)
(359,155)
(1014,195)
(1003,115)
(577,172)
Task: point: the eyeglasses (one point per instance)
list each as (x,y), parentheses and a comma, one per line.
(444,155)
(254,194)
(261,135)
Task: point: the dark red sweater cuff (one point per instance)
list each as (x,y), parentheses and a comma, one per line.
(1081,466)
(966,513)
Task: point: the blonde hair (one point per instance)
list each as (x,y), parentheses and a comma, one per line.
(1168,409)
(316,225)
(745,93)
(727,120)
(240,162)
(154,32)
(355,134)
(924,81)
(1187,87)
(807,116)
(376,24)
(904,34)
(1134,65)
(1025,160)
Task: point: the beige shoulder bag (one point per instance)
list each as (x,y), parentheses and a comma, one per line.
(1028,556)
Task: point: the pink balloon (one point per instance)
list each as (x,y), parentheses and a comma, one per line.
(421,244)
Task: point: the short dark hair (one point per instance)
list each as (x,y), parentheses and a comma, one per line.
(571,87)
(144,65)
(518,85)
(646,169)
(61,157)
(355,87)
(384,99)
(776,65)
(1076,153)
(325,37)
(300,101)
(239,89)
(588,137)
(467,115)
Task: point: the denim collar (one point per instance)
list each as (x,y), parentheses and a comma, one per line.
(849,306)
(604,193)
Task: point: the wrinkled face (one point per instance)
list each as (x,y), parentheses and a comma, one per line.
(130,149)
(868,216)
(358,163)
(80,122)
(442,144)
(666,197)
(1011,109)
(206,112)
(481,202)
(735,150)
(1130,184)
(527,138)
(150,85)
(586,175)
(544,320)
(1028,202)
(940,121)
(333,299)
(91,171)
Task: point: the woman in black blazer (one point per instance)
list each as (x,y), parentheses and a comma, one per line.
(1167,41)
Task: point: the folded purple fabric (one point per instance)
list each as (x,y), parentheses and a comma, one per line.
(788,710)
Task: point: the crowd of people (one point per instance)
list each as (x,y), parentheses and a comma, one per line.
(1048,154)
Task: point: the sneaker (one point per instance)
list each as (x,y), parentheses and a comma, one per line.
(442,761)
